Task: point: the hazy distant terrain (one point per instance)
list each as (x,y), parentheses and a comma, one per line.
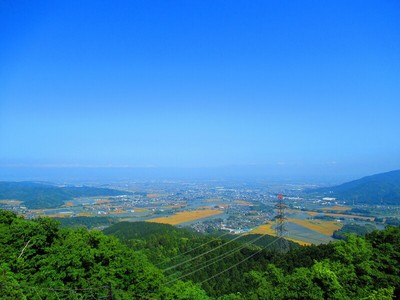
(383,188)
(38,195)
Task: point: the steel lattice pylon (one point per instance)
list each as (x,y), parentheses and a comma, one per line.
(280,227)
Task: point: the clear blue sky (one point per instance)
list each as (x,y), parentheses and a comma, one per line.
(309,86)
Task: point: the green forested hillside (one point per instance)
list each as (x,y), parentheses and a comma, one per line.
(217,263)
(87,222)
(354,228)
(38,260)
(381,188)
(189,256)
(39,195)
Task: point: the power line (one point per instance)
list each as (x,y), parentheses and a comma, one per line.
(231,267)
(191,250)
(200,255)
(223,255)
(214,260)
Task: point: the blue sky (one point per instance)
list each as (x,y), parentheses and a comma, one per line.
(309,87)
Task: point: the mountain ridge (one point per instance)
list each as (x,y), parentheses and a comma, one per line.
(381,188)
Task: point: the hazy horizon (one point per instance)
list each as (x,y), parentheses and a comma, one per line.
(97,174)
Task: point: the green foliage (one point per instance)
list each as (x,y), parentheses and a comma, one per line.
(353,228)
(302,256)
(187,291)
(9,286)
(355,250)
(169,246)
(381,294)
(327,280)
(38,260)
(88,222)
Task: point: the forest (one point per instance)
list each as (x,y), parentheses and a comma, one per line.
(40,195)
(39,259)
(378,189)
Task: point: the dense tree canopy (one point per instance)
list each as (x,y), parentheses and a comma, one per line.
(40,260)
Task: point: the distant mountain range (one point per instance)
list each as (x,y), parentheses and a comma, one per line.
(383,188)
(39,195)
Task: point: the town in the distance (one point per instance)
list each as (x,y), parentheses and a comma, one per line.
(309,214)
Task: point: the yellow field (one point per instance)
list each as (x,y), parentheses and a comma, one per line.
(337,208)
(264,229)
(324,227)
(267,229)
(310,213)
(186,216)
(349,216)
(11,202)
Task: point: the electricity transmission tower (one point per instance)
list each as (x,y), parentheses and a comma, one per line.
(280,227)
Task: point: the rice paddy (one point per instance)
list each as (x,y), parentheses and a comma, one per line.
(349,216)
(186,216)
(268,229)
(264,229)
(336,208)
(324,227)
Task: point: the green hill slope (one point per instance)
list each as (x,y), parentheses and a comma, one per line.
(381,188)
(39,195)
(197,257)
(38,260)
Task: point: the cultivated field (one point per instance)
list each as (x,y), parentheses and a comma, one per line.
(267,229)
(349,216)
(336,208)
(324,227)
(264,229)
(186,216)
(310,213)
